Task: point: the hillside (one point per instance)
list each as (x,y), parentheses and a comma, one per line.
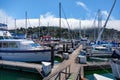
(65,33)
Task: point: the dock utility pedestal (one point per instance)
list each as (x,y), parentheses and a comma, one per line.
(46,67)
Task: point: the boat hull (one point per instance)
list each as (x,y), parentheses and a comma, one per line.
(115,65)
(28,56)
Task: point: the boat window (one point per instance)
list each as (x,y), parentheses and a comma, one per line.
(1,37)
(35,44)
(104,45)
(12,45)
(6,37)
(0,45)
(101,49)
(5,44)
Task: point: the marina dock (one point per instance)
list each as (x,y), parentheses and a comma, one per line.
(61,70)
(30,67)
(68,69)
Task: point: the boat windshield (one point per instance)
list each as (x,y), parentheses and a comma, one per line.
(5,37)
(1,37)
(35,44)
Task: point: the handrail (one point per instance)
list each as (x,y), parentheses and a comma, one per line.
(57,72)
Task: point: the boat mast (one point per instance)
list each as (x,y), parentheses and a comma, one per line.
(99,22)
(15,27)
(48,32)
(26,23)
(80,29)
(39,28)
(84,31)
(94,28)
(99,36)
(94,24)
(60,20)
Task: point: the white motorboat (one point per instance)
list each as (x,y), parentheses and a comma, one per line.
(22,49)
(102,49)
(115,65)
(100,77)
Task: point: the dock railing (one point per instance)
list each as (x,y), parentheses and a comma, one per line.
(78,75)
(57,75)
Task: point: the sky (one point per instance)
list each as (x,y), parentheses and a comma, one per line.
(48,12)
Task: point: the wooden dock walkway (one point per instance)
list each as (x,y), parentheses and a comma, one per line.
(62,67)
(21,66)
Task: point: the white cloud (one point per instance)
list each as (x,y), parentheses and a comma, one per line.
(4,18)
(115,24)
(73,23)
(47,15)
(83,5)
(48,18)
(105,15)
(53,21)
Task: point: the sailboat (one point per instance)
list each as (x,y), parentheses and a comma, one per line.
(104,48)
(115,61)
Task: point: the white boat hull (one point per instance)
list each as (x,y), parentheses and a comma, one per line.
(115,65)
(100,77)
(22,49)
(30,57)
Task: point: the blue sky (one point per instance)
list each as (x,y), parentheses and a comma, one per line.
(48,12)
(79,9)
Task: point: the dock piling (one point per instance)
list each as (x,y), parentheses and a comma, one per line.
(52,56)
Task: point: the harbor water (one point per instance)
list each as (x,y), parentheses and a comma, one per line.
(109,75)
(106,73)
(8,74)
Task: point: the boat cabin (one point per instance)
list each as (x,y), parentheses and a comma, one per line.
(14,44)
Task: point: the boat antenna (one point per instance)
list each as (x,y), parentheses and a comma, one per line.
(99,22)
(80,29)
(94,28)
(26,23)
(60,20)
(15,27)
(99,36)
(39,28)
